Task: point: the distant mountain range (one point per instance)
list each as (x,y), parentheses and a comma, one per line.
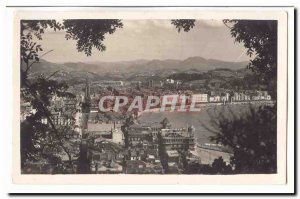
(138,66)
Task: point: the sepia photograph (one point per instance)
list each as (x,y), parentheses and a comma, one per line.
(160,97)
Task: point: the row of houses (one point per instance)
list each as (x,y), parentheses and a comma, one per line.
(179,99)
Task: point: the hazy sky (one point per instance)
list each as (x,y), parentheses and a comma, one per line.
(151,39)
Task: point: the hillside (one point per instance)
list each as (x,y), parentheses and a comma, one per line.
(139,66)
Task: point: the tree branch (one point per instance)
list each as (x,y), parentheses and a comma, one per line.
(28,67)
(46,111)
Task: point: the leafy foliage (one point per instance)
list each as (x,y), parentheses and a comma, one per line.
(183,24)
(259,38)
(90,33)
(30,28)
(219,166)
(41,141)
(252,138)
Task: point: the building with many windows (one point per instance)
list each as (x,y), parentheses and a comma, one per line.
(178,139)
(200,98)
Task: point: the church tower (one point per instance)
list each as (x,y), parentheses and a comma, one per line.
(87,91)
(86,105)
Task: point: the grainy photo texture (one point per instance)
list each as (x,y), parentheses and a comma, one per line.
(148,96)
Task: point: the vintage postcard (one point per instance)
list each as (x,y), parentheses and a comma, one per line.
(150,96)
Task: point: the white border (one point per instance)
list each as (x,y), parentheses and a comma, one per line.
(192,188)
